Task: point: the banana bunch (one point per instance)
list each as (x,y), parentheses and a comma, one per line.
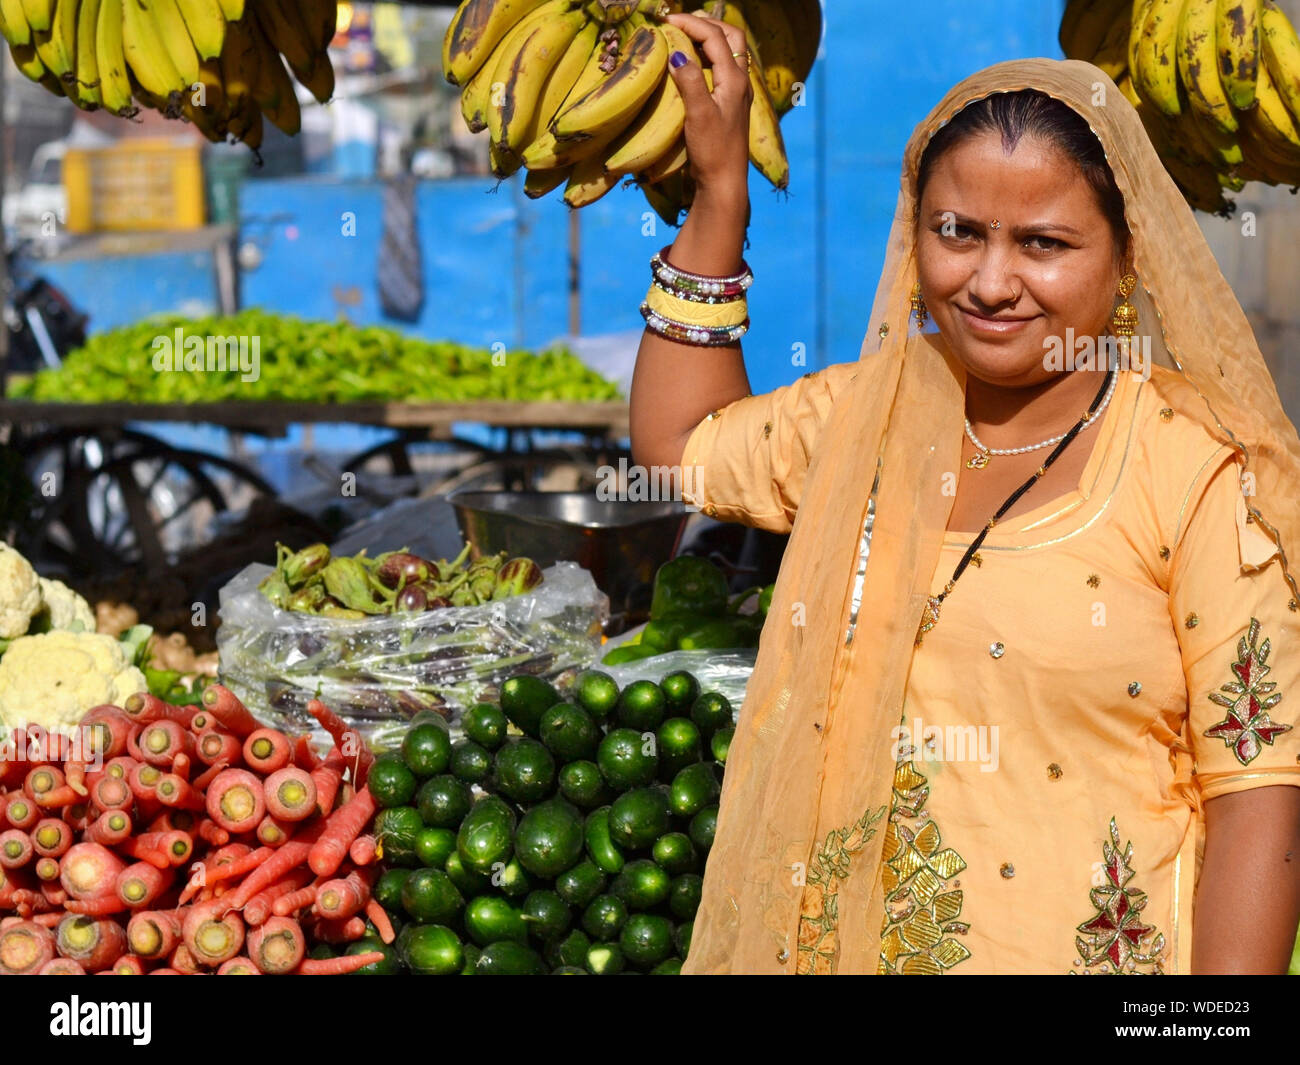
(217,63)
(1216,83)
(579,93)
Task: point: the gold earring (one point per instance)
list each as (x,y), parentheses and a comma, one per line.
(1124,321)
(918,306)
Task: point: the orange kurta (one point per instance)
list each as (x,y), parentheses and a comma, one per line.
(1104,669)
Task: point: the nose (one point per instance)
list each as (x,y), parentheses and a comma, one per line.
(994,282)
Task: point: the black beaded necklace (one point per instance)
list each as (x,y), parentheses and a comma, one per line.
(930,615)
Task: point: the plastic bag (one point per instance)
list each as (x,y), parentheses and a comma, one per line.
(377,672)
(717,671)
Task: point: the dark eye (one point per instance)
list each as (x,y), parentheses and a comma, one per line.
(1044,243)
(954,231)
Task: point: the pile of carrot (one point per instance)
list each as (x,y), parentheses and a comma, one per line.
(194,841)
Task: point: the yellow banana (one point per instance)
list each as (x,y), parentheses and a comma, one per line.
(145,54)
(232,9)
(805,20)
(1281,49)
(206,24)
(1237,39)
(642,65)
(40,14)
(13,23)
(667,197)
(502,161)
(766,145)
(166,16)
(589,182)
(1136,23)
(520,67)
(1262,164)
(1198,64)
(57,46)
(272,87)
(321,81)
(1270,120)
(1223,149)
(669,163)
(539,182)
(1112,54)
(86,92)
(1156,73)
(114,85)
(546,151)
(652,133)
(284,27)
(476,98)
(1086,23)
(777,48)
(560,82)
(29,63)
(321,17)
(478,27)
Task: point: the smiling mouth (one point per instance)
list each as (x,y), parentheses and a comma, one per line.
(985,324)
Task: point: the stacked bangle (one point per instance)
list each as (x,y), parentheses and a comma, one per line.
(695,309)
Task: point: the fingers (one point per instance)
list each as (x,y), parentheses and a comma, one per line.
(719,41)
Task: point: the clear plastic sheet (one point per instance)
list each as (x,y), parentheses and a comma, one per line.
(377,672)
(717,671)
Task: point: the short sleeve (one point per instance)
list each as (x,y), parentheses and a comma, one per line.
(746,462)
(1240,641)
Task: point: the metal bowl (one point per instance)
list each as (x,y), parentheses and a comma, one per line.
(621,543)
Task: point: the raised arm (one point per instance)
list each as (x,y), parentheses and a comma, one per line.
(676,385)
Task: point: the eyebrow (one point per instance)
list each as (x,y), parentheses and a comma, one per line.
(1035,227)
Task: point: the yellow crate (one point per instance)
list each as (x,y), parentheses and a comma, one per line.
(137,184)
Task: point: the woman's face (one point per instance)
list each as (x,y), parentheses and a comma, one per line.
(998,295)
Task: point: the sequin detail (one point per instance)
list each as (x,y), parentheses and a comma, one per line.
(1055,772)
(1166,414)
(1094,581)
(1115,935)
(819,919)
(1135,688)
(921,905)
(1248,700)
(997,650)
(1193,619)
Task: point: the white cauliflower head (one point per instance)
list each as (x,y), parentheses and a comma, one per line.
(54,677)
(66,608)
(20,594)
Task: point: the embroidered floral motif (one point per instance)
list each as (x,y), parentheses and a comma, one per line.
(819,921)
(1248,700)
(1114,939)
(920,913)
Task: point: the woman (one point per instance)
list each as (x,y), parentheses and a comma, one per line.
(1026,700)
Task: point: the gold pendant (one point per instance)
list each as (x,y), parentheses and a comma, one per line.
(929,617)
(977,461)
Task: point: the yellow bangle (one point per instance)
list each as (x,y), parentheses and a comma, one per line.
(690,313)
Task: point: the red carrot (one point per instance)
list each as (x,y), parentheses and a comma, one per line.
(62,967)
(145,708)
(110,828)
(226,708)
(104,730)
(162,850)
(153,933)
(88,870)
(161,741)
(103,906)
(47,920)
(128,965)
(290,794)
(201,722)
(347,739)
(166,970)
(267,750)
(285,858)
(95,942)
(379,918)
(303,756)
(270,832)
(341,898)
(259,907)
(20,811)
(174,821)
(117,768)
(204,780)
(235,801)
(349,963)
(181,766)
(235,865)
(47,871)
(74,773)
(172,790)
(327,780)
(110,793)
(277,946)
(362,851)
(294,901)
(212,936)
(41,781)
(133,742)
(143,779)
(15,848)
(238,966)
(183,961)
(344,825)
(213,834)
(141,884)
(217,745)
(348,930)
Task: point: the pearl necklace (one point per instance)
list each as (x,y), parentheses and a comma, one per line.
(978,462)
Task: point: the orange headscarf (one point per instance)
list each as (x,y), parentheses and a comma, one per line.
(810,769)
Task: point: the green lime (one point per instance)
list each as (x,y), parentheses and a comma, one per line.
(639,817)
(524,770)
(396,830)
(628,759)
(703,826)
(582,784)
(391,783)
(646,940)
(684,896)
(680,745)
(444,801)
(486,725)
(507,958)
(430,897)
(571,950)
(390,966)
(694,788)
(491,919)
(431,950)
(675,854)
(433,846)
(569,970)
(710,712)
(549,916)
(579,885)
(642,885)
(388,889)
(510,879)
(549,838)
(720,745)
(682,938)
(568,732)
(681,689)
(468,881)
(597,693)
(426,750)
(641,706)
(604,959)
(604,918)
(525,698)
(471,762)
(667,967)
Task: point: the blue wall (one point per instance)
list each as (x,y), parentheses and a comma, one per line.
(496,263)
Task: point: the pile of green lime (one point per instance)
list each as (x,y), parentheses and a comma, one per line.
(561,835)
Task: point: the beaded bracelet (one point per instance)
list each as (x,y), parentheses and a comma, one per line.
(699,336)
(697,287)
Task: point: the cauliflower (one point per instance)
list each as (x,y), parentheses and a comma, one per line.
(20,594)
(66,608)
(53,678)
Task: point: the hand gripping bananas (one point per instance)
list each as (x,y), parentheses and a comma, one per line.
(579,93)
(220,64)
(1216,82)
